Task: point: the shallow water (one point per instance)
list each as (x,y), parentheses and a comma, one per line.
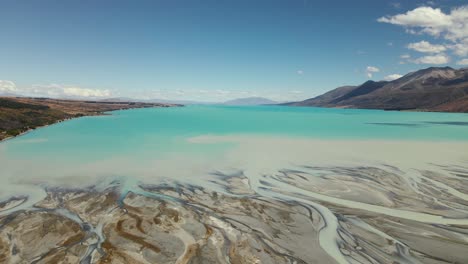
(158,132)
(411,166)
(140,139)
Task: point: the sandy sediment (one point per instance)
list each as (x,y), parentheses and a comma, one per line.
(189,224)
(371,207)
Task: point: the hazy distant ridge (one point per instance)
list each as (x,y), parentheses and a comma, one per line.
(250,101)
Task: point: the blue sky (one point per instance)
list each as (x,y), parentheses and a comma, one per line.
(215,50)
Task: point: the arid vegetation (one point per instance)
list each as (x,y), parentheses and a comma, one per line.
(20,114)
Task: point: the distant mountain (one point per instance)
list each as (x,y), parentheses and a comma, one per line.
(250,101)
(432,89)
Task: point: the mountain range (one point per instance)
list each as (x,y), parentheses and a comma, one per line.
(441,89)
(433,89)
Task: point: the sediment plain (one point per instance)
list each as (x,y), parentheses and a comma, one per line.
(283,205)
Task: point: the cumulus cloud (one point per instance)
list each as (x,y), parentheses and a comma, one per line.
(370,70)
(451,26)
(433,59)
(7,86)
(392,77)
(462,62)
(461,48)
(426,47)
(432,21)
(53,90)
(85,92)
(57,90)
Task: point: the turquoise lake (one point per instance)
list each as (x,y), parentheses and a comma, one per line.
(161,130)
(159,141)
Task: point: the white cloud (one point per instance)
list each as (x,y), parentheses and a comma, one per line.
(430,20)
(451,26)
(85,92)
(57,90)
(54,90)
(461,48)
(459,27)
(296,92)
(222,92)
(396,5)
(420,17)
(426,47)
(370,70)
(435,59)
(195,94)
(462,62)
(7,86)
(392,77)
(405,56)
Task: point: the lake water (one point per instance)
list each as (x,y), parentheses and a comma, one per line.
(148,136)
(160,130)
